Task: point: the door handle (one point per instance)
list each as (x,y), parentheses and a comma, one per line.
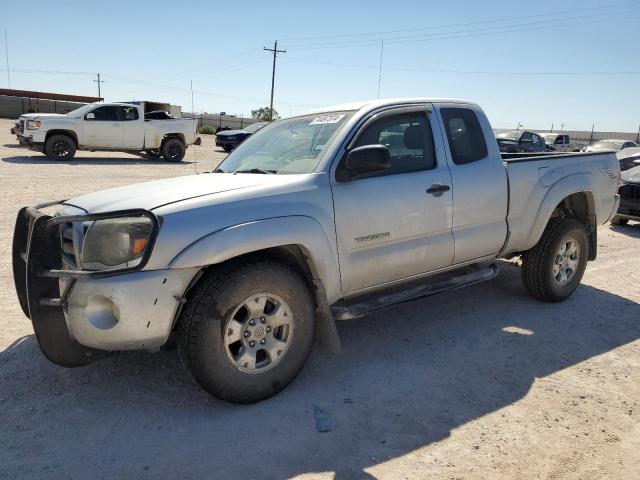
(437,189)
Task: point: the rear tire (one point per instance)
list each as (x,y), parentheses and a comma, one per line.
(247,330)
(619,221)
(173,150)
(60,147)
(552,270)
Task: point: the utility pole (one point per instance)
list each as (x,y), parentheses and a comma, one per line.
(561,126)
(552,128)
(275,52)
(6,51)
(591,136)
(98,81)
(380,69)
(638,135)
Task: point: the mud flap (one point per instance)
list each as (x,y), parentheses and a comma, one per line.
(42,292)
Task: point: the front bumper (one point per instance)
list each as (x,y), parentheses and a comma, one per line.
(78,317)
(629,202)
(27,141)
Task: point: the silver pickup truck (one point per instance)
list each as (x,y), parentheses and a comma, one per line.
(315,218)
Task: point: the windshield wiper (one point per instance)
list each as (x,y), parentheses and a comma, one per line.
(256,170)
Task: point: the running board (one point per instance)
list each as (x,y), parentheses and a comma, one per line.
(347,310)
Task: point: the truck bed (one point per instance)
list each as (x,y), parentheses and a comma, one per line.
(530,156)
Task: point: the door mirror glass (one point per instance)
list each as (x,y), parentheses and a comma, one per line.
(366,160)
(90,116)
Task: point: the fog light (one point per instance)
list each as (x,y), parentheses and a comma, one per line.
(102,312)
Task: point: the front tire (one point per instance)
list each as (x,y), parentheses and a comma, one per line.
(247,331)
(173,150)
(60,147)
(552,270)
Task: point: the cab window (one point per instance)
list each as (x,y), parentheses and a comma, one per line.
(464,133)
(108,113)
(408,138)
(129,113)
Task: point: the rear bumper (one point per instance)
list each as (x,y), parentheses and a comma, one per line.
(77,316)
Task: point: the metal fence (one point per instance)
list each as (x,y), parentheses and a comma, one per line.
(235,122)
(13,107)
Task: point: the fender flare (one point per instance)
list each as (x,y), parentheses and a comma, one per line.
(236,240)
(577,183)
(302,231)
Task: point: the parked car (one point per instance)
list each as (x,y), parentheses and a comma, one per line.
(230,139)
(520,141)
(559,142)
(610,145)
(316,218)
(629,192)
(628,158)
(106,126)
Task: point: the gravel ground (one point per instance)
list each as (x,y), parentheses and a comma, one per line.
(481,383)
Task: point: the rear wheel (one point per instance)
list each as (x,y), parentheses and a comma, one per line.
(619,221)
(60,147)
(248,330)
(552,270)
(173,150)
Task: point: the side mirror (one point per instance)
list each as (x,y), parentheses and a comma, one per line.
(365,160)
(90,116)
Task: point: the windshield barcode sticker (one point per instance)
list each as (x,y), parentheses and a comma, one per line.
(325,119)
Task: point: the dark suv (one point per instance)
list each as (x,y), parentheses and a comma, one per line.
(516,141)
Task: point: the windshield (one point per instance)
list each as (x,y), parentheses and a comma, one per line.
(512,135)
(82,109)
(254,127)
(608,144)
(294,145)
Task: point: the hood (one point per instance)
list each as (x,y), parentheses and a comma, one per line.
(599,149)
(227,133)
(31,116)
(150,195)
(631,176)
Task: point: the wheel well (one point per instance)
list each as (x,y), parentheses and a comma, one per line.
(68,133)
(179,136)
(580,207)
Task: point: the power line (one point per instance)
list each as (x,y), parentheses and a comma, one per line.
(477,22)
(275,52)
(470,72)
(478,32)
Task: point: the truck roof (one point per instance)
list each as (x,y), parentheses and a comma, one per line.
(370,104)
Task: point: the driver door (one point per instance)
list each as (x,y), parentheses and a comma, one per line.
(395,224)
(103,127)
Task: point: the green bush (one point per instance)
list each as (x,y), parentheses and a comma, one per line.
(208,129)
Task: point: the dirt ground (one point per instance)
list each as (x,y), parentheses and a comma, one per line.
(483,383)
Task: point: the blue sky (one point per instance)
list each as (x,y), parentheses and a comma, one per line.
(483,51)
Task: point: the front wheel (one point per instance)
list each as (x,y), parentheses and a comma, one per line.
(552,270)
(247,331)
(60,147)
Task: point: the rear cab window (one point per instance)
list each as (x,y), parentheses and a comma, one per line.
(464,134)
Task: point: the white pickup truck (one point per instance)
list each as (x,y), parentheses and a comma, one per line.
(321,217)
(111,126)
(560,142)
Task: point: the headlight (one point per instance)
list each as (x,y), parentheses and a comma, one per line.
(116,243)
(33,124)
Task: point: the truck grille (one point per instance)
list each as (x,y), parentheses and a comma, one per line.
(630,191)
(21,126)
(71,236)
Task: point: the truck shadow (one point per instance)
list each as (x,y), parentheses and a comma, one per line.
(631,229)
(407,377)
(42,160)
